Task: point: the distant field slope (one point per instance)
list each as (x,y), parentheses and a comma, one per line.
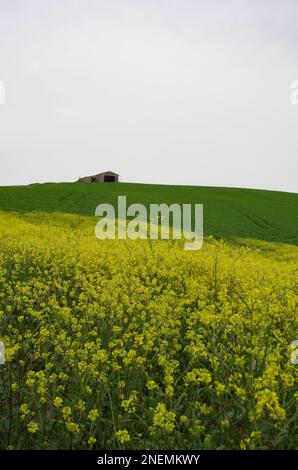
(228,212)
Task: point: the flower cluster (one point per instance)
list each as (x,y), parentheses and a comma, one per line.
(140,344)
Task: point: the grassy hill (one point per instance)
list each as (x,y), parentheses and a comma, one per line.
(228,212)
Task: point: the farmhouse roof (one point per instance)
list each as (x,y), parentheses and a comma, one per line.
(107,173)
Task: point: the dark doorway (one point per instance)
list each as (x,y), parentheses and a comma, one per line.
(109,179)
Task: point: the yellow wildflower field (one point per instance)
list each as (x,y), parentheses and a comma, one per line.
(141,344)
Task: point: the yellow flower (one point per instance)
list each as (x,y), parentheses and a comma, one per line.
(123,436)
(24,409)
(163,418)
(58,402)
(152,385)
(81,405)
(116,329)
(30,382)
(183,419)
(91,441)
(204,409)
(224,423)
(220,389)
(251,441)
(93,415)
(169,391)
(198,376)
(129,404)
(32,427)
(66,412)
(268,400)
(72,427)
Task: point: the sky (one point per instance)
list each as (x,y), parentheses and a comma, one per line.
(160,91)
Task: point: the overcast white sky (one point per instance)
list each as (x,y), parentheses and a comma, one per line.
(163,91)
